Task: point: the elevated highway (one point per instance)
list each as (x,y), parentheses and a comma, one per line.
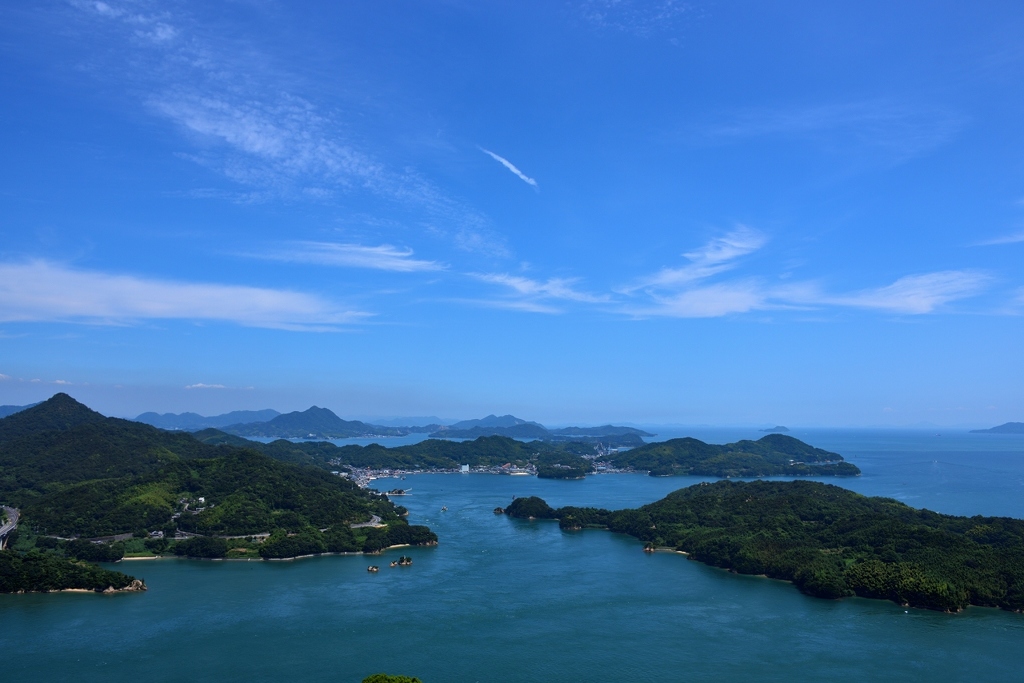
(10,525)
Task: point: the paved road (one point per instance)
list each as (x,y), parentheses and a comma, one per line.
(12,522)
(374,521)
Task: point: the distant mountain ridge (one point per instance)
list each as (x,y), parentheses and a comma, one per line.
(11,410)
(406,421)
(491,422)
(1006,428)
(322,423)
(314,423)
(516,428)
(194,422)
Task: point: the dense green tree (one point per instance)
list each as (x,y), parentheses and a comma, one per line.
(830,542)
(202,547)
(531,506)
(37,571)
(771,455)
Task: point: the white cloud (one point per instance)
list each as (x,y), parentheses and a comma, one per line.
(383,257)
(711,301)
(917,294)
(61,381)
(40,291)
(4,378)
(909,295)
(899,129)
(527,291)
(682,292)
(200,385)
(718,255)
(243,113)
(284,141)
(510,166)
(521,305)
(1014,238)
(639,17)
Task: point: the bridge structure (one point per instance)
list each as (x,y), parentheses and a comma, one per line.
(10,525)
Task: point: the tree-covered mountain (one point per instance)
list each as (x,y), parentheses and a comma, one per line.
(829,541)
(516,428)
(194,422)
(74,472)
(11,410)
(527,430)
(62,442)
(555,460)
(605,430)
(314,423)
(771,455)
(491,421)
(1007,428)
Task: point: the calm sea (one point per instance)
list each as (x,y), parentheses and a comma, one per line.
(509,600)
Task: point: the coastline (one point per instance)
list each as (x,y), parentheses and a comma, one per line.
(136,586)
(262,559)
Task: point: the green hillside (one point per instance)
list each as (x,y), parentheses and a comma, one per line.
(74,472)
(772,455)
(829,541)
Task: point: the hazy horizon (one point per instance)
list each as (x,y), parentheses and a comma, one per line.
(407,420)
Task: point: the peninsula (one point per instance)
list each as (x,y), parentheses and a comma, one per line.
(829,541)
(75,474)
(1007,428)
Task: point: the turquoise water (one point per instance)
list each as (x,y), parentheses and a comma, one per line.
(510,600)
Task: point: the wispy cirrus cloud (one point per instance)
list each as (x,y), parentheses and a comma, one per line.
(899,129)
(695,291)
(1013,238)
(909,295)
(510,166)
(536,296)
(704,301)
(201,385)
(382,257)
(242,115)
(718,255)
(639,17)
(915,294)
(40,291)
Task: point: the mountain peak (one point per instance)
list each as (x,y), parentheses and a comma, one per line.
(59,412)
(492,421)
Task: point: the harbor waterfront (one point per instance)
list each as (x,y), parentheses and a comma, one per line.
(511,600)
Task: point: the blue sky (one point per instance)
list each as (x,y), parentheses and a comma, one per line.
(724,212)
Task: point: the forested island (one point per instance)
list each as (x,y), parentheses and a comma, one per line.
(771,455)
(828,541)
(322,423)
(41,572)
(76,474)
(556,460)
(1006,428)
